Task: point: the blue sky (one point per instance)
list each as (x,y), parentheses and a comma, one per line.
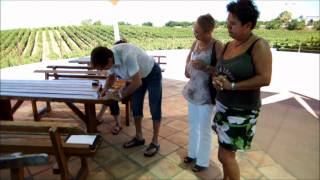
(41,13)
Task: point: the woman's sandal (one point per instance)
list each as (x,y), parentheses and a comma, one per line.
(133,142)
(115,130)
(151,150)
(188,159)
(198,168)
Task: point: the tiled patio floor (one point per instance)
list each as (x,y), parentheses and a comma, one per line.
(286,145)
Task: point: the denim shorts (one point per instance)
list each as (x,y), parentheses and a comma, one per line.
(152,83)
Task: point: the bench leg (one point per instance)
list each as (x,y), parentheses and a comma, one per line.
(84,169)
(17,173)
(59,153)
(5,110)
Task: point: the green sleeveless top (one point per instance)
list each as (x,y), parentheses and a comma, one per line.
(237,69)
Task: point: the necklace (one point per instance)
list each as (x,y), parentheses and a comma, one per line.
(242,42)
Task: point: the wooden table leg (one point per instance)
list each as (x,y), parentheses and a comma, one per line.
(5,110)
(35,110)
(17,173)
(90,110)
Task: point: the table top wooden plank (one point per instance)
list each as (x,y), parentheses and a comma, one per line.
(50,90)
(44,88)
(47,91)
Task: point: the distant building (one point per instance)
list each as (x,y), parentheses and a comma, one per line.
(310,19)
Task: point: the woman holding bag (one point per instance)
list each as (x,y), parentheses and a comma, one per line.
(198,68)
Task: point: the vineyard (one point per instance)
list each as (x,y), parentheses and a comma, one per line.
(23,46)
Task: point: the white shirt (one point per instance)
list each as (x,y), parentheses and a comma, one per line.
(129,59)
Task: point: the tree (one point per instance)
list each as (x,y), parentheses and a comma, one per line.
(147,24)
(316,25)
(295,24)
(98,23)
(86,22)
(285,17)
(274,24)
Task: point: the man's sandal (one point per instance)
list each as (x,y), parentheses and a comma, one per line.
(115,130)
(133,142)
(151,150)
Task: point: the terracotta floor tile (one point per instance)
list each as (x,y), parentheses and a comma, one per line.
(276,172)
(116,139)
(121,167)
(143,161)
(259,158)
(99,174)
(164,169)
(187,175)
(179,125)
(142,174)
(179,139)
(166,131)
(167,147)
(248,171)
(105,155)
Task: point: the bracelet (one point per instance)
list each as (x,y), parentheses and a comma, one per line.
(233,86)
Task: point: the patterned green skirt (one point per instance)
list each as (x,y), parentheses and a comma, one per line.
(235,127)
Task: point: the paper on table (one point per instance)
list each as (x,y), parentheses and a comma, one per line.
(81,139)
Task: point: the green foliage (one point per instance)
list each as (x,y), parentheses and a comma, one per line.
(97,23)
(179,24)
(296,25)
(316,25)
(285,17)
(86,22)
(147,24)
(274,24)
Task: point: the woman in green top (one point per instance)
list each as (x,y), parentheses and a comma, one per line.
(244,67)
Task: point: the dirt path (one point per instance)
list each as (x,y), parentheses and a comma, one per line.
(45,46)
(54,44)
(64,45)
(35,48)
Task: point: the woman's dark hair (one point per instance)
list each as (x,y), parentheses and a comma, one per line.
(245,10)
(100,56)
(206,22)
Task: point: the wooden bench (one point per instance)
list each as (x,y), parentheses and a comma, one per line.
(47,137)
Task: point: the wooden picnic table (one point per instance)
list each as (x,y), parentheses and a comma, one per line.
(67,91)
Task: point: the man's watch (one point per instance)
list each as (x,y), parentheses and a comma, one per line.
(233,86)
